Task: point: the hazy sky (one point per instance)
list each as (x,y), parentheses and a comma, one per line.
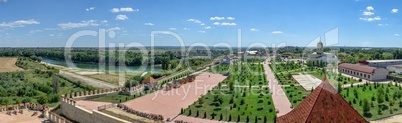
(294,22)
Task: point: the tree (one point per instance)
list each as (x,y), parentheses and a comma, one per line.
(366,107)
(56,84)
(42,99)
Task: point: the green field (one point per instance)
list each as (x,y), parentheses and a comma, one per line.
(237,102)
(383,100)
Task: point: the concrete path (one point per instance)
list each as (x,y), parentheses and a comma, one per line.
(281,101)
(92,82)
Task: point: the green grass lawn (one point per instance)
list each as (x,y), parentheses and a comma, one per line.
(117,98)
(243,103)
(296,94)
(391,95)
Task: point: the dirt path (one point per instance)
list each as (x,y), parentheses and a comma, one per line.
(86,80)
(281,101)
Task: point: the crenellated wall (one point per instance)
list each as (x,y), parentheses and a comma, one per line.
(79,114)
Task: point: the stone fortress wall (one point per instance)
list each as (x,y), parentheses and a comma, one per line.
(74,112)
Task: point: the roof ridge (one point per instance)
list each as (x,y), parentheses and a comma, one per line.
(315,102)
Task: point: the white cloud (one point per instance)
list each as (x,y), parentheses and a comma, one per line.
(377,18)
(194,20)
(70,25)
(186,28)
(380,24)
(90,8)
(254,29)
(396,34)
(230,18)
(124,9)
(370,8)
(228,24)
(35,31)
(104,21)
(208,27)
(202,24)
(3,1)
(113,29)
(51,35)
(121,17)
(277,32)
(217,18)
(19,23)
(201,31)
(172,29)
(149,24)
(217,23)
(394,11)
(368,13)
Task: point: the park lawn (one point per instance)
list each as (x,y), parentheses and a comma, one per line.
(296,94)
(256,103)
(109,78)
(393,94)
(333,79)
(247,99)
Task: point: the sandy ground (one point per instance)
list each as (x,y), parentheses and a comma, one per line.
(281,101)
(8,65)
(87,80)
(91,105)
(20,118)
(169,103)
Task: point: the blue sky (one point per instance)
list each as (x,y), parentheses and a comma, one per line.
(49,23)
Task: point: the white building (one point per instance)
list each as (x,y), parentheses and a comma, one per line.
(363,71)
(382,63)
(320,55)
(395,68)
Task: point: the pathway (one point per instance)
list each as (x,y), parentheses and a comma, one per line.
(281,101)
(92,82)
(169,103)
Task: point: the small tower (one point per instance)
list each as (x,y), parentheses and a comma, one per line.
(320,48)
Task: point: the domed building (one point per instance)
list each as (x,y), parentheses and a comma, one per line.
(320,56)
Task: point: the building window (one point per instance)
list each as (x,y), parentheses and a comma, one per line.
(368,77)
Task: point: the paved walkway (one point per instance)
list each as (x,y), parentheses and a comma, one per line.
(169,103)
(281,101)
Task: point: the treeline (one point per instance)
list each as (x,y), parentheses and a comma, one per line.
(355,55)
(168,59)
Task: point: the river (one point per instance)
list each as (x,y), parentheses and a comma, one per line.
(94,67)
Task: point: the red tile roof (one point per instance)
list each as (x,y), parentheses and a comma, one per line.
(358,67)
(323,105)
(149,80)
